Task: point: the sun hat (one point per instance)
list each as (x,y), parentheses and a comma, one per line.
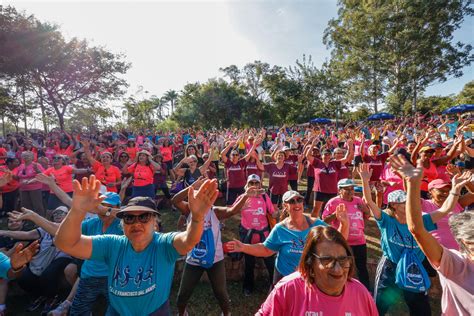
(397,196)
(345,183)
(253,177)
(291,194)
(438,184)
(139,203)
(426,148)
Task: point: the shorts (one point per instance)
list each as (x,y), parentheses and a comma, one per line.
(323,197)
(276,198)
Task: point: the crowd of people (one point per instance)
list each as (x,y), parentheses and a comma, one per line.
(84,216)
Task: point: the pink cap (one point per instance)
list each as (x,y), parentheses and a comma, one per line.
(438,184)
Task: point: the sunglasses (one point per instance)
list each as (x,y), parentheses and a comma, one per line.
(130,219)
(57,158)
(297,200)
(254,182)
(330,262)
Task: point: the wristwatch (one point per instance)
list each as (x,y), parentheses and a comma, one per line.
(108,212)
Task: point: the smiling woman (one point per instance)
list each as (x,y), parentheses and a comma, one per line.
(141,263)
(323,283)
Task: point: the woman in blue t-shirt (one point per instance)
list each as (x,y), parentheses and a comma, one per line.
(141,263)
(288,237)
(395,238)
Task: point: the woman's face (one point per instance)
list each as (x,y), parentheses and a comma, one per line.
(27,158)
(400,211)
(254,184)
(142,157)
(123,157)
(136,228)
(326,157)
(347,194)
(281,157)
(440,195)
(234,156)
(295,206)
(426,154)
(106,158)
(58,216)
(57,162)
(330,276)
(191,151)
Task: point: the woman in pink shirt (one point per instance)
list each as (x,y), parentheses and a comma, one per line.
(254,228)
(323,284)
(31,195)
(455,269)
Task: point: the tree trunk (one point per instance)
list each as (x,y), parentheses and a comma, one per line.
(413,106)
(25,108)
(43,112)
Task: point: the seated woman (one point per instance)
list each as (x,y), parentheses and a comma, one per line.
(323,284)
(455,268)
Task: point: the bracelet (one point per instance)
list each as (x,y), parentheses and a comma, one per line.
(19,269)
(455,194)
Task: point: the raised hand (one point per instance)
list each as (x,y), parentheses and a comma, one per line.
(86,195)
(126,182)
(341,214)
(25,214)
(452,170)
(405,169)
(201,201)
(21,257)
(235,246)
(460,180)
(45,179)
(364,171)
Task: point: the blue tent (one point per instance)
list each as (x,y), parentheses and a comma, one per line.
(459,109)
(381,116)
(320,120)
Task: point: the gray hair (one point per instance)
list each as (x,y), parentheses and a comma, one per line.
(27,154)
(462,227)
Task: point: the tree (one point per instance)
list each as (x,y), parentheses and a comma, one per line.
(85,118)
(466,96)
(171,96)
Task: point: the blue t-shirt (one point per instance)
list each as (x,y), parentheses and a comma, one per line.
(139,282)
(452,127)
(289,245)
(93,227)
(5,265)
(391,239)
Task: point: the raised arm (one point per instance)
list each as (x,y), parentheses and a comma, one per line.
(226,212)
(69,237)
(226,150)
(365,173)
(199,203)
(86,146)
(26,214)
(60,194)
(256,250)
(205,166)
(428,244)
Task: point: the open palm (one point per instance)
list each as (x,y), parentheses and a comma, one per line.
(405,169)
(201,201)
(86,195)
(21,256)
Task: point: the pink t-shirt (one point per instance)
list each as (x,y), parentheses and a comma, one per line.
(278,183)
(390,176)
(292,296)
(443,233)
(29,173)
(456,274)
(253,215)
(356,218)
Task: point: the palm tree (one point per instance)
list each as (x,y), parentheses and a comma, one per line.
(171,96)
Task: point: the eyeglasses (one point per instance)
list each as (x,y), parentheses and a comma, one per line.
(130,219)
(254,182)
(57,158)
(330,262)
(297,200)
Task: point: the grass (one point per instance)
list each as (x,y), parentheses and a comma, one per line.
(203,302)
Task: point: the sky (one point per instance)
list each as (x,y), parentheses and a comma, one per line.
(171,43)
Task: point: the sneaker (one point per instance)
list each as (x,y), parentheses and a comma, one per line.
(61,310)
(36,304)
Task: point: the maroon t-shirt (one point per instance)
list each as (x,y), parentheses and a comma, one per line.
(310,171)
(343,172)
(292,162)
(278,177)
(325,177)
(253,169)
(377,164)
(236,174)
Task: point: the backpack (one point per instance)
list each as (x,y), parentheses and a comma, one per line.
(203,253)
(410,274)
(271,221)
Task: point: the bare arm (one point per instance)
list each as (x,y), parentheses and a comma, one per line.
(26,214)
(20,235)
(365,173)
(60,194)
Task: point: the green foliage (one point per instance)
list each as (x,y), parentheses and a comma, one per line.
(167,125)
(466,96)
(88,119)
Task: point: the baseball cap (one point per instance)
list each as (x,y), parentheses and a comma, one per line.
(253,177)
(139,203)
(345,183)
(111,198)
(285,148)
(290,194)
(397,196)
(426,148)
(436,146)
(438,184)
(61,208)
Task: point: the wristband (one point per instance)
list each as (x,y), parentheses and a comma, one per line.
(19,269)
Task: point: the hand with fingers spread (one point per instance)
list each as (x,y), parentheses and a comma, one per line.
(201,201)
(25,214)
(126,182)
(407,170)
(364,171)
(452,170)
(459,181)
(21,256)
(341,214)
(86,195)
